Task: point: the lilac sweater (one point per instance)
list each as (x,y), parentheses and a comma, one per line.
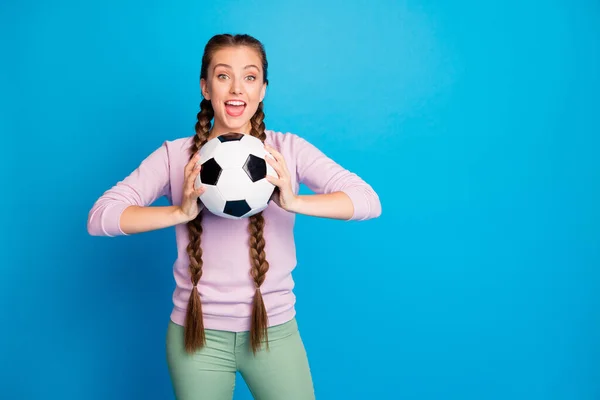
(226,287)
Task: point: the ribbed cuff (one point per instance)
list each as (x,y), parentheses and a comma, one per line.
(111,218)
(360,202)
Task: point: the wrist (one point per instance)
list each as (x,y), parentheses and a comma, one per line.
(180,216)
(335,205)
(295,205)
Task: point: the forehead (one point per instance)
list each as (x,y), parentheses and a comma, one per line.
(238,57)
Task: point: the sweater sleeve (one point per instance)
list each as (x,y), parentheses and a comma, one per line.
(148,182)
(321,174)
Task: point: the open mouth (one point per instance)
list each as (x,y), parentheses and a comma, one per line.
(235,108)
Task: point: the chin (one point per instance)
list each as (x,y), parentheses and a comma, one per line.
(237,126)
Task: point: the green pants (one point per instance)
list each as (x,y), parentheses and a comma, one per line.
(281,372)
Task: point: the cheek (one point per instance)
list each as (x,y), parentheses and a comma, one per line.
(255,93)
(219,88)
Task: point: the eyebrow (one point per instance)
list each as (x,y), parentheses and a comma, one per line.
(229,66)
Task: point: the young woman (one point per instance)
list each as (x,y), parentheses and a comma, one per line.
(233,305)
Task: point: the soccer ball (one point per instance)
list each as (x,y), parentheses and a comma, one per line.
(233,170)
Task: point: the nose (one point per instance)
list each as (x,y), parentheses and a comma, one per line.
(236,86)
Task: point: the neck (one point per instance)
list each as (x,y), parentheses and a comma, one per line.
(219,129)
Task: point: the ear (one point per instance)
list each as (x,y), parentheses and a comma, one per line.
(204,89)
(263,91)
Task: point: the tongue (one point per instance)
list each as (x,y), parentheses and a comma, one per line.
(234,111)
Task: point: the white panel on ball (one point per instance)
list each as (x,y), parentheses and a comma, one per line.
(208,151)
(255,211)
(212,198)
(270,170)
(260,194)
(255,147)
(231,154)
(234,184)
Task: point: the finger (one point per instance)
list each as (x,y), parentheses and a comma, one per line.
(279,158)
(192,162)
(275,181)
(276,166)
(193,173)
(281,169)
(194,177)
(200,191)
(277,155)
(193,192)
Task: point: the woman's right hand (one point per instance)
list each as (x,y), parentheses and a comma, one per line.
(190,206)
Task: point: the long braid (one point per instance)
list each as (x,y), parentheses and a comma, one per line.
(194,330)
(260,265)
(194,324)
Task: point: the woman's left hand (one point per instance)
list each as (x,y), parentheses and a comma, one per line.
(283,195)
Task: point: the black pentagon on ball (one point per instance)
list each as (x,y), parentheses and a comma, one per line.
(236,208)
(230,137)
(210,172)
(255,167)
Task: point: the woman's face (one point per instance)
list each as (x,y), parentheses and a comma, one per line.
(235,87)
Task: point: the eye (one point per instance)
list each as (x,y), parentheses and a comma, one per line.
(251,77)
(222,76)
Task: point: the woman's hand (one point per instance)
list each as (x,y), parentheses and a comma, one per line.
(283,195)
(190,206)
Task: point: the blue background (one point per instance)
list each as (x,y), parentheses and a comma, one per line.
(476,122)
